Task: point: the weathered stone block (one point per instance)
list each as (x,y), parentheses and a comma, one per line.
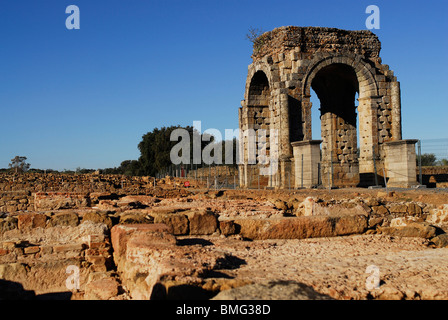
(130,217)
(177,222)
(202,222)
(272,290)
(398,208)
(13,271)
(414,229)
(98,217)
(31,250)
(101,289)
(227,227)
(121,234)
(301,227)
(413,209)
(59,200)
(438,216)
(28,221)
(69,219)
(8,223)
(441,241)
(68,247)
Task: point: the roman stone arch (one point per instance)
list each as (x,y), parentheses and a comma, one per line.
(337,64)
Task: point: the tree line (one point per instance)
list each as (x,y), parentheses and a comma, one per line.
(155,148)
(430,160)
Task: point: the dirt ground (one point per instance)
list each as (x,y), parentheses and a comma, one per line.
(408,267)
(341,267)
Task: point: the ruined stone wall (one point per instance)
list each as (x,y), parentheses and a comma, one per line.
(435,170)
(81,183)
(314,39)
(37,249)
(11,201)
(215,171)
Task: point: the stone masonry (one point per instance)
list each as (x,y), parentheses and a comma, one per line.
(337,64)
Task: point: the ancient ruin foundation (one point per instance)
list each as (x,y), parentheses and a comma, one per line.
(337,64)
(129,239)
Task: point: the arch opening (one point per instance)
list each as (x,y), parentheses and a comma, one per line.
(259,91)
(336,86)
(259,119)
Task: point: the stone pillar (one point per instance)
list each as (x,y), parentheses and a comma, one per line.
(242,120)
(400,163)
(285,149)
(284,172)
(309,151)
(396,110)
(368,133)
(306,118)
(242,175)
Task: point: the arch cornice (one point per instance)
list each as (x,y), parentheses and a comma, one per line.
(365,73)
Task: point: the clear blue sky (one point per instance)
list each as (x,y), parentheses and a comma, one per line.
(84,98)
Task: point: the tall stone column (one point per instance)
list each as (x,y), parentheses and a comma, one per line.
(243,125)
(285,149)
(396,110)
(306,118)
(368,133)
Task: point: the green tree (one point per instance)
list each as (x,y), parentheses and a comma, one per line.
(80,170)
(156,146)
(130,168)
(428,159)
(114,170)
(19,164)
(155,150)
